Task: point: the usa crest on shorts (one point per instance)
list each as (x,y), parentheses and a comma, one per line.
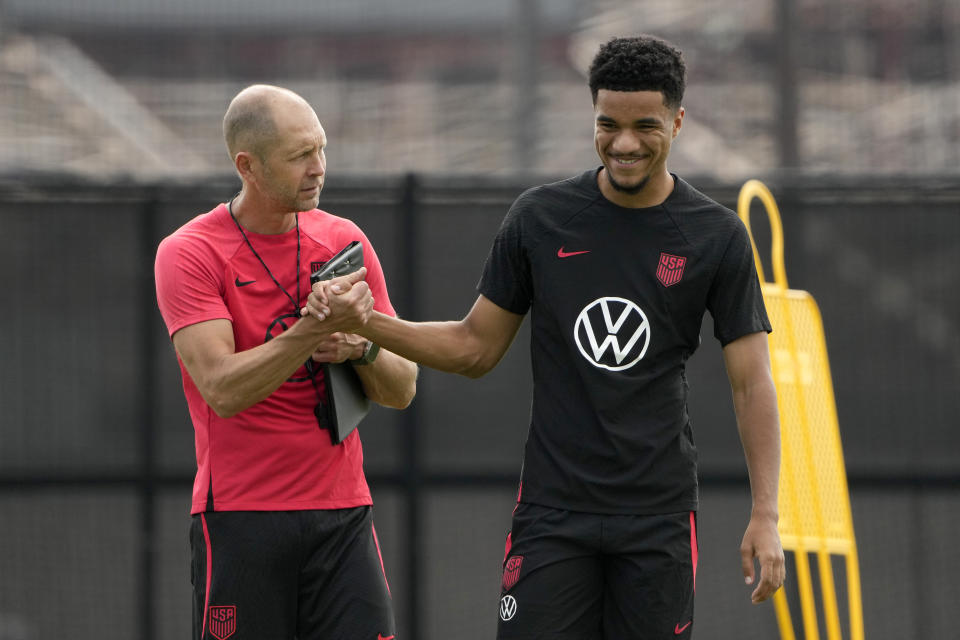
(511,572)
(223,622)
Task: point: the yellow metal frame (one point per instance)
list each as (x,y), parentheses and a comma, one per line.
(815,516)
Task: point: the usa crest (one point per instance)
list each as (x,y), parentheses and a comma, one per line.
(511,572)
(670,269)
(223,621)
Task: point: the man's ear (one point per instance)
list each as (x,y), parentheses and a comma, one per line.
(678,121)
(245,163)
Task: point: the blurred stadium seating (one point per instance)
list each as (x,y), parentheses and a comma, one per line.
(436,87)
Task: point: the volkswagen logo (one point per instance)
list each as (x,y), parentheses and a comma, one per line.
(508,608)
(612,333)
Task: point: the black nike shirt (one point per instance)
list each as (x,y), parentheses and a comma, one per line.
(616,299)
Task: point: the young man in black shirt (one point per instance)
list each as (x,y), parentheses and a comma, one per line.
(616,267)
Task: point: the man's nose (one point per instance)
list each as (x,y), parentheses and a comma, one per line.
(318,165)
(626,142)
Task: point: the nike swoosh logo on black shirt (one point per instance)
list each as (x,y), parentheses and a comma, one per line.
(566,254)
(242,284)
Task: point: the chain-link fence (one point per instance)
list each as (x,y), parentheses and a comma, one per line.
(96,448)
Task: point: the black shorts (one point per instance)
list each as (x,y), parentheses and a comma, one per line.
(280,575)
(582,576)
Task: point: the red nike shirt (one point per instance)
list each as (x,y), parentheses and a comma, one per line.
(272,456)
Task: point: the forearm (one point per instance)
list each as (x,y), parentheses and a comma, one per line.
(445,346)
(240,380)
(390,380)
(755,403)
(759,426)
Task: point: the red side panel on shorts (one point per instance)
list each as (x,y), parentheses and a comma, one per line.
(376,542)
(206,593)
(693,546)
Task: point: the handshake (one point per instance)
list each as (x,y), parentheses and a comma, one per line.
(339,296)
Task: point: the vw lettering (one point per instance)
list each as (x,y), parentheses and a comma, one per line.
(508,608)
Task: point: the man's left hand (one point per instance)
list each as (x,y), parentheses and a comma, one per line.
(339,347)
(761,541)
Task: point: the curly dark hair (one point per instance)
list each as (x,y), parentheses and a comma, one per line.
(641,63)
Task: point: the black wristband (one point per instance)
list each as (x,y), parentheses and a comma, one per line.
(370,352)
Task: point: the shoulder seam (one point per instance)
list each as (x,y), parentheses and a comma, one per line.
(590,202)
(670,211)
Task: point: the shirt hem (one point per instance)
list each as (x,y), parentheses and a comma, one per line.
(285,505)
(620,510)
(188,321)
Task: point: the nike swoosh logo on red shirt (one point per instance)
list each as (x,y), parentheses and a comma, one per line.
(677,630)
(242,284)
(566,254)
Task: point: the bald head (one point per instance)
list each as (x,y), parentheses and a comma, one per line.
(250,122)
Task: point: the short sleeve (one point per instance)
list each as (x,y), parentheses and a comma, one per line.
(189,284)
(735,300)
(506,280)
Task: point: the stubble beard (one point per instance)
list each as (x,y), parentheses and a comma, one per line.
(310,203)
(297,202)
(632,191)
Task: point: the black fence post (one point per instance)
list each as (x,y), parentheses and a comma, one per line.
(786,84)
(526,86)
(408,251)
(148,386)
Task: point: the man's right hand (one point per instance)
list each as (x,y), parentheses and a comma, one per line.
(342,304)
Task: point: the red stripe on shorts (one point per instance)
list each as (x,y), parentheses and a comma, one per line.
(693,547)
(206,593)
(376,543)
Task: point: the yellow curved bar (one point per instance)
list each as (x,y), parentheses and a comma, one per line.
(755,189)
(815,514)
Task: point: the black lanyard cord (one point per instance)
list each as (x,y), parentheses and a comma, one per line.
(311,367)
(295,303)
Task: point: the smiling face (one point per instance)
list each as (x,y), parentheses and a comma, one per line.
(633,132)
